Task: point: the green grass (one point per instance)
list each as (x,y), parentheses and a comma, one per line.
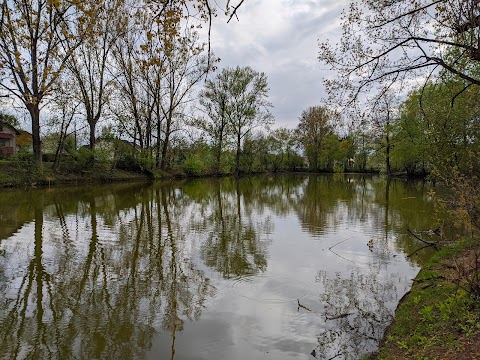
(438,316)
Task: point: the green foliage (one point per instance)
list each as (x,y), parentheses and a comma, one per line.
(9,119)
(136,161)
(315,126)
(235,103)
(195,165)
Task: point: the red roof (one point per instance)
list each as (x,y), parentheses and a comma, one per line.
(6,136)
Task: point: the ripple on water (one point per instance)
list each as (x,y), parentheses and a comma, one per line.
(269,288)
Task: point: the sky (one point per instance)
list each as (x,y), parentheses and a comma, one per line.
(280,38)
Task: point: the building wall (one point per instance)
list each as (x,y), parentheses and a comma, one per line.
(8,145)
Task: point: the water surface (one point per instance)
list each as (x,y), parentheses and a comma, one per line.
(267,267)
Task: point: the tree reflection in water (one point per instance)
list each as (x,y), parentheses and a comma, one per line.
(88,294)
(113,271)
(357,309)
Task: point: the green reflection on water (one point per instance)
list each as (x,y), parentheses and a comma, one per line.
(111,271)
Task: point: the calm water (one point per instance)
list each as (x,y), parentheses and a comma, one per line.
(269,267)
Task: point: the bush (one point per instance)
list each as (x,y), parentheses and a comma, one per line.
(196,165)
(135,163)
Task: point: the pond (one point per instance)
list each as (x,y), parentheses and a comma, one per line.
(262,267)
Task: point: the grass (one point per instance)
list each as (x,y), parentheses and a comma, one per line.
(439,318)
(24,173)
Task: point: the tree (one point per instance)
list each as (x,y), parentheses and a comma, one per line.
(381,121)
(387,42)
(314,127)
(214,102)
(90,61)
(64,106)
(282,143)
(247,108)
(411,152)
(436,132)
(236,103)
(185,66)
(37,37)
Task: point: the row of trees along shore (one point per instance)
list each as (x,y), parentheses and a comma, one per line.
(136,85)
(139,78)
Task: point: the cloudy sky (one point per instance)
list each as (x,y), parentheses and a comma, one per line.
(280,38)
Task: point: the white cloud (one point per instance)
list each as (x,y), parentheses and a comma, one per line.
(280,38)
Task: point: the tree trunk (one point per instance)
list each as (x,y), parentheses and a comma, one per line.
(92,124)
(219,154)
(58,152)
(163,164)
(387,151)
(157,157)
(34,111)
(237,157)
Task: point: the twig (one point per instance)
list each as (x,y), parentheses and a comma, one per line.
(331,247)
(337,355)
(302,306)
(413,253)
(234,12)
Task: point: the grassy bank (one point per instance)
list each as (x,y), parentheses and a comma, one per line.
(25,173)
(440,317)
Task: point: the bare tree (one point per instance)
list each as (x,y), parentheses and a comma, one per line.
(389,42)
(90,61)
(37,37)
(185,67)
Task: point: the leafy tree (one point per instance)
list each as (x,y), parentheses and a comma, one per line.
(283,145)
(433,128)
(214,102)
(381,121)
(313,129)
(238,95)
(185,67)
(411,152)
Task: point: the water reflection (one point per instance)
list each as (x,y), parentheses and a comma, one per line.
(207,268)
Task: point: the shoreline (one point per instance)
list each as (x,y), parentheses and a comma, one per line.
(23,174)
(438,318)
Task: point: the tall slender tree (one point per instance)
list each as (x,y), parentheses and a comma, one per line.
(90,61)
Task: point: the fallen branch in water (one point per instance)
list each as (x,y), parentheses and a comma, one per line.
(302,306)
(429,243)
(338,243)
(337,316)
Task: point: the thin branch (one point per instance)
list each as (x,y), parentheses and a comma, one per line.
(407,14)
(234,13)
(459,93)
(429,243)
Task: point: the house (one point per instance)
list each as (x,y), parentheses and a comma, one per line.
(8,144)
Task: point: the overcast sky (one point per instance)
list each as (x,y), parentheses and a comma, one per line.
(280,38)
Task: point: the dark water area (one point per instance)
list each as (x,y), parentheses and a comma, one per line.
(266,267)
